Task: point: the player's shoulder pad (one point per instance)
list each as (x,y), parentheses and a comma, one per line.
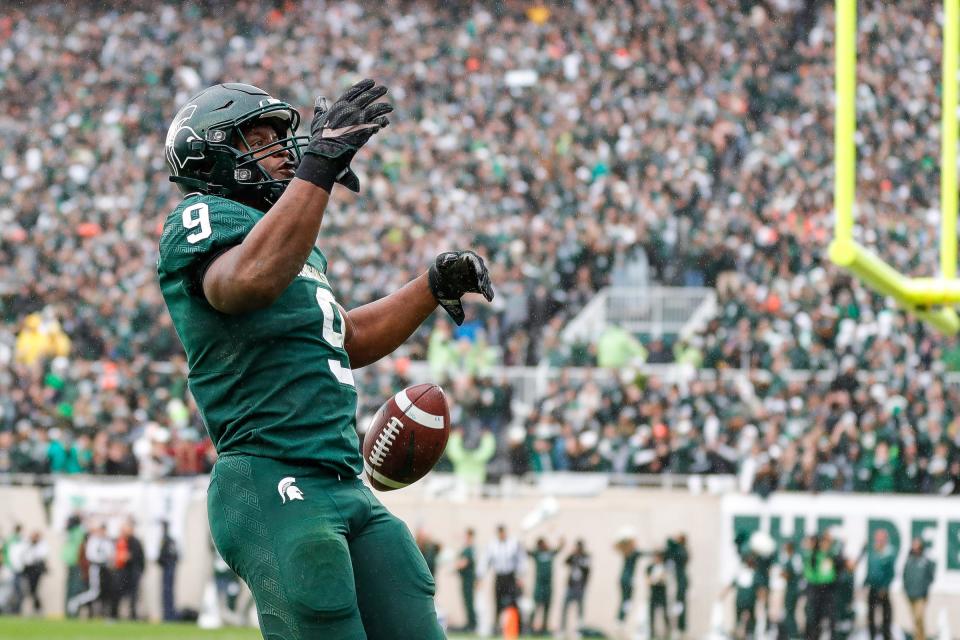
(188,215)
(201,224)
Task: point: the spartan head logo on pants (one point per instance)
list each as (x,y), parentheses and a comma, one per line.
(288,490)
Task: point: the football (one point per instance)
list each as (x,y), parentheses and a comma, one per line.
(406,437)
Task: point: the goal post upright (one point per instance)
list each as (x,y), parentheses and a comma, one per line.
(920,294)
(845,114)
(948,140)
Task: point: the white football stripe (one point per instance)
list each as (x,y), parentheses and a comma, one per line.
(382,479)
(415,413)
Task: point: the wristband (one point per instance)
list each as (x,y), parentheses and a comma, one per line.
(319,171)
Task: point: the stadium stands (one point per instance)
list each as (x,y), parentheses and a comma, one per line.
(706,148)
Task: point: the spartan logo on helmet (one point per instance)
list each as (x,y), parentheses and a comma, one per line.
(288,490)
(179,131)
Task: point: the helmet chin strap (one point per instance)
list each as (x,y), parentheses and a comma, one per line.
(199,185)
(260,196)
(272,192)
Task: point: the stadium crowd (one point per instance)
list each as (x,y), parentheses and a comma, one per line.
(561,143)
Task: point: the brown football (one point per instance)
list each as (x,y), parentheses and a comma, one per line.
(406,437)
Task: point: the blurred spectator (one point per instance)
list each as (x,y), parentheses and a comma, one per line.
(745,600)
(15,556)
(167,559)
(627,547)
(129,563)
(35,566)
(657,353)
(99,553)
(470,464)
(578,564)
(657,585)
(617,348)
(881,559)
(505,558)
(6,585)
(918,574)
(467,569)
(152,452)
(120,460)
(70,554)
(41,337)
(845,590)
(678,555)
(543,556)
(822,567)
(791,567)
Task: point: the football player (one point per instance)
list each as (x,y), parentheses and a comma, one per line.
(270,354)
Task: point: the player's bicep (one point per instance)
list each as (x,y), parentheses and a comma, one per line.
(349,327)
(200,245)
(225,289)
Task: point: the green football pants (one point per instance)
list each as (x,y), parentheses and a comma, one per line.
(322,557)
(466,590)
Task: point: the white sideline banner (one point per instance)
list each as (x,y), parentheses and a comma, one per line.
(853,519)
(113,503)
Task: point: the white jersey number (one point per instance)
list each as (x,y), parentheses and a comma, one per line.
(329,310)
(197,215)
(328,307)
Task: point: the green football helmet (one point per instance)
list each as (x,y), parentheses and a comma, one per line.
(201,151)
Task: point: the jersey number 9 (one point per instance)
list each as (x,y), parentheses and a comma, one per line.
(197,215)
(329,311)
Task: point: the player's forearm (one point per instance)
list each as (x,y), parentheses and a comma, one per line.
(379,327)
(255,273)
(275,250)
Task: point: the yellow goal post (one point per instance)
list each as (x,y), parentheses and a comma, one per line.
(930,299)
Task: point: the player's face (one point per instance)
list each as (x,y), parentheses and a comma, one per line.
(279,166)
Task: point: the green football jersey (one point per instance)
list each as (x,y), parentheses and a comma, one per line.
(275,382)
(629,567)
(543,561)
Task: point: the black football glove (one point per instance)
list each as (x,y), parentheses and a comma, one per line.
(455,273)
(347,177)
(337,133)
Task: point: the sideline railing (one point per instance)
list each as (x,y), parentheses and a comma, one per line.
(553,482)
(530,383)
(644,310)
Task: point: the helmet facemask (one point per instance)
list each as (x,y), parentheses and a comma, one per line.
(251,178)
(251,181)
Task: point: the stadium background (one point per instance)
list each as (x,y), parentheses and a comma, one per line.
(651,185)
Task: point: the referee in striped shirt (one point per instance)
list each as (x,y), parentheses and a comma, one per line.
(507,558)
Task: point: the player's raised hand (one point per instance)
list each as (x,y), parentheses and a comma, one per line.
(375,112)
(338,132)
(455,273)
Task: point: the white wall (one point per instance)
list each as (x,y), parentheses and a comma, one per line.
(654,514)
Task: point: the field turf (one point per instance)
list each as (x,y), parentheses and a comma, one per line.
(34,629)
